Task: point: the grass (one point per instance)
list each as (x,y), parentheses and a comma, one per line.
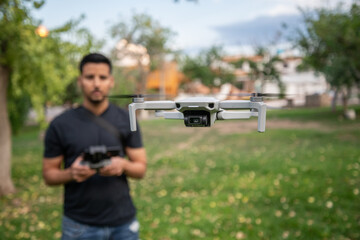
(288,183)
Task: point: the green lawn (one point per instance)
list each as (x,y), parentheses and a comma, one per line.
(298,180)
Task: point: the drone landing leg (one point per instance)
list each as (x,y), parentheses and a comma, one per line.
(147,105)
(261,108)
(257,109)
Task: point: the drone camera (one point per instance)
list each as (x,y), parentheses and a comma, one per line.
(196,118)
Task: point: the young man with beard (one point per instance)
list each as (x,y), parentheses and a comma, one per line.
(97,204)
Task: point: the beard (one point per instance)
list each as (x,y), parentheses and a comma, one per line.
(93,99)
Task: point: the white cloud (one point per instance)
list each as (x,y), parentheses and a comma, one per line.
(281,10)
(316,3)
(286,7)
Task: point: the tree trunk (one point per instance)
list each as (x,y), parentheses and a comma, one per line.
(6,184)
(141,88)
(334,100)
(345,97)
(162,86)
(141,81)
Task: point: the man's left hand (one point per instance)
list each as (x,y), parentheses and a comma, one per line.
(115,168)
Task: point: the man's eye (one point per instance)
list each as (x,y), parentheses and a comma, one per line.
(89,77)
(103,77)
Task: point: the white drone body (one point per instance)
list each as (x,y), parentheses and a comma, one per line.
(202,111)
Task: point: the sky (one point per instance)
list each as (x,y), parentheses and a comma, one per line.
(234,24)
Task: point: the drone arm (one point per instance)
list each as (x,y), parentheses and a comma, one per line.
(235,104)
(260,107)
(148,105)
(226,115)
(170,115)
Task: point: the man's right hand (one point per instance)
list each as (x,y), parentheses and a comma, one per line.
(80,172)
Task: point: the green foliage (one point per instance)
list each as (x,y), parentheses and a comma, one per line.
(141,30)
(265,70)
(144,30)
(206,67)
(18,108)
(40,68)
(72,93)
(331,44)
(195,69)
(125,83)
(298,180)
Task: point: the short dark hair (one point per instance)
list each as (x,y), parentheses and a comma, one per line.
(94,58)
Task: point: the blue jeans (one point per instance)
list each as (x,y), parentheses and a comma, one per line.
(72,230)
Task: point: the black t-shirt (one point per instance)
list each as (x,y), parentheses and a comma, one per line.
(102,201)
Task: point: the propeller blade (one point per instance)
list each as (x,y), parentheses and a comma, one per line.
(258,94)
(124,96)
(269,94)
(239,94)
(137,96)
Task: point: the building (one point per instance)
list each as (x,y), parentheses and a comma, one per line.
(165,80)
(297,84)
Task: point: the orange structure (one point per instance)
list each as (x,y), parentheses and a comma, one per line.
(168,78)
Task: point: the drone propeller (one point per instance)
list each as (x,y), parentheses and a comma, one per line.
(136,96)
(258,94)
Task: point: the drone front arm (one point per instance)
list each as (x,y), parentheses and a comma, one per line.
(260,107)
(235,104)
(169,115)
(147,105)
(226,115)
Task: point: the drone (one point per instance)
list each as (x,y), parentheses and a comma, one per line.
(201,111)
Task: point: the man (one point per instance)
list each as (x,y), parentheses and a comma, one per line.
(97,204)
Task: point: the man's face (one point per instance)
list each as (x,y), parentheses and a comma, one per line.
(95,82)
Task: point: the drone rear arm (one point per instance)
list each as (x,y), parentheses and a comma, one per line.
(148,105)
(259,107)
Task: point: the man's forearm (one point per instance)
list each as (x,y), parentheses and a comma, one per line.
(55,177)
(134,169)
(136,166)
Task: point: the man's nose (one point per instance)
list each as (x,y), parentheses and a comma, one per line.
(96,81)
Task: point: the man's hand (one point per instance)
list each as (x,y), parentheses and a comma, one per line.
(80,172)
(115,168)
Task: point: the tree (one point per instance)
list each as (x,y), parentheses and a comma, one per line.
(143,30)
(330,42)
(264,70)
(32,68)
(208,67)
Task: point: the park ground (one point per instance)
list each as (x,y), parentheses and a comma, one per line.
(298,180)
